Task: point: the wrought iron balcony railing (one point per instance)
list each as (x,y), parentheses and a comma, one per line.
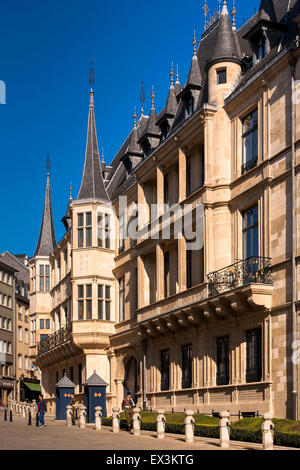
(255,270)
(249,165)
(59,337)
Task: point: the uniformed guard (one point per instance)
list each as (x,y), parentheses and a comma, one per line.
(127,406)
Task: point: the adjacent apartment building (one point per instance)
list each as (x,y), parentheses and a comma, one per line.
(27,380)
(7,324)
(204,316)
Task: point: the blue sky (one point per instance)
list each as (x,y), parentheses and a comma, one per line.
(45,54)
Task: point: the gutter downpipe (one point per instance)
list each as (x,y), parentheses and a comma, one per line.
(293,62)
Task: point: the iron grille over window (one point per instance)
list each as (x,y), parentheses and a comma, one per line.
(165,370)
(187,366)
(254,355)
(223,360)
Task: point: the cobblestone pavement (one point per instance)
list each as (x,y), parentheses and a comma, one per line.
(56,436)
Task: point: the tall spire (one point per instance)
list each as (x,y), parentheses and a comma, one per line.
(92,184)
(47,241)
(225,47)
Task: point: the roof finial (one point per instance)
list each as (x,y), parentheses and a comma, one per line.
(233,13)
(219,2)
(70,191)
(195,43)
(142,98)
(134,116)
(153,99)
(48,167)
(92,75)
(177,74)
(103,160)
(172,74)
(205,10)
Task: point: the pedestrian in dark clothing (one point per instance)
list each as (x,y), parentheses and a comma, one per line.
(127,406)
(42,409)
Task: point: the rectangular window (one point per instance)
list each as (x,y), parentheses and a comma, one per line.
(48,324)
(167,274)
(88,229)
(80,230)
(71,373)
(188,176)
(221,76)
(104,301)
(121,233)
(254,355)
(188,269)
(187,366)
(223,360)
(165,370)
(122,299)
(42,324)
(166,189)
(44,278)
(250,141)
(104,229)
(250,233)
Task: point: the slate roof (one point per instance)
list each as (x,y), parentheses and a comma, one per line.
(17,262)
(92,185)
(225,46)
(95,380)
(219,42)
(47,241)
(65,383)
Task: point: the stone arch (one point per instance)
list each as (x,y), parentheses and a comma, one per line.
(131,376)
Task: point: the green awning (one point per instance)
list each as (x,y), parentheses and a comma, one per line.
(33,387)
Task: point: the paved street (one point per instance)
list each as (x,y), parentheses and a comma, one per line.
(56,436)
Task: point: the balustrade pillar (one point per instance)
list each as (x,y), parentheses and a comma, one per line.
(161,424)
(116,420)
(189,423)
(98,418)
(224,430)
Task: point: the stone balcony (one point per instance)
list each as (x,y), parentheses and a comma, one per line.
(239,289)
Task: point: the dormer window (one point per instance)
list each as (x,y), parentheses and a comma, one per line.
(221,76)
(146,147)
(164,130)
(128,167)
(189,105)
(261,48)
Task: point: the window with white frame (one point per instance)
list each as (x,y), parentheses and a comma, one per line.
(104,302)
(104,230)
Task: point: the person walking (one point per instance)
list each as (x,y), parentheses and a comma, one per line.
(127,406)
(42,409)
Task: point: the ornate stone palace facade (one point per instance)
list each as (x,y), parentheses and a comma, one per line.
(209,326)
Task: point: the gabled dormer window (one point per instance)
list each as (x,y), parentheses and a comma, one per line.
(146,147)
(189,105)
(164,130)
(259,44)
(128,167)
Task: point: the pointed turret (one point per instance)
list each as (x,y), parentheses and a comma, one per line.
(47,240)
(225,48)
(151,136)
(194,79)
(166,116)
(92,185)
